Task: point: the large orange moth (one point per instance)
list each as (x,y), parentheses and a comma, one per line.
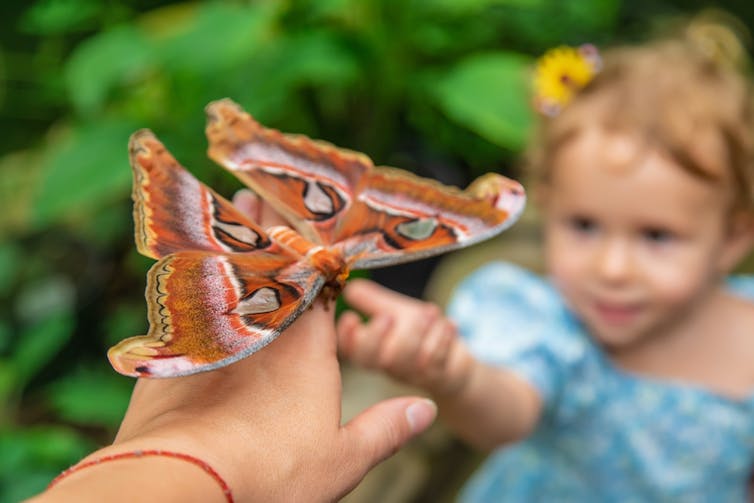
(223,287)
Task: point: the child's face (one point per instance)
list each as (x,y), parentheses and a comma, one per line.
(632,240)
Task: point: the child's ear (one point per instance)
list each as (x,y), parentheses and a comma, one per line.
(739,241)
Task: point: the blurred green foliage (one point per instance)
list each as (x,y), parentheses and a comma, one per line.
(437,86)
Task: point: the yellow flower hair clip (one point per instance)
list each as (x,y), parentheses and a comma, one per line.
(560,73)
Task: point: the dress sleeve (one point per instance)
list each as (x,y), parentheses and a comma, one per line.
(742,286)
(511,317)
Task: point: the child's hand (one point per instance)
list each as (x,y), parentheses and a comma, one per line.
(408,339)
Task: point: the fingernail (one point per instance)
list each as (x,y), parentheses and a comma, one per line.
(421,414)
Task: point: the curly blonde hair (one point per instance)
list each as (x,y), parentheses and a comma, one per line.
(669,94)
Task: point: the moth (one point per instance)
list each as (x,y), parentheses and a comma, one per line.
(223,287)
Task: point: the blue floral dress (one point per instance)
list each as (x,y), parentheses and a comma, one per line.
(605,435)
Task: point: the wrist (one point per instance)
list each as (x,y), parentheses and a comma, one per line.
(274,471)
(460,370)
(118,472)
(193,438)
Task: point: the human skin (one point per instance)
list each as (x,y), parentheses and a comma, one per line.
(638,248)
(411,341)
(270,425)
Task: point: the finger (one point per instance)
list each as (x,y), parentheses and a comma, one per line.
(412,329)
(436,344)
(347,324)
(400,348)
(372,298)
(368,339)
(255,207)
(381,430)
(249,203)
(269,217)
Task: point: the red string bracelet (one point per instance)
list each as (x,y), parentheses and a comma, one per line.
(148,452)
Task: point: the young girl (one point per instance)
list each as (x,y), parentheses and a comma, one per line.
(627,374)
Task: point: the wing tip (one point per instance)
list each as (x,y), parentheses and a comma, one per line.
(126,366)
(144,144)
(502,192)
(139,138)
(224,113)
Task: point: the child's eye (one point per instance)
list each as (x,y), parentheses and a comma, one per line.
(657,236)
(584,225)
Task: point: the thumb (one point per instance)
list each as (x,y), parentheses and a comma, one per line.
(249,204)
(257,209)
(381,430)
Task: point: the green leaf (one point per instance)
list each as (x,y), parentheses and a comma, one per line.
(331,11)
(7,389)
(317,57)
(6,335)
(455,8)
(10,265)
(102,62)
(125,320)
(51,17)
(39,344)
(592,15)
(32,456)
(20,171)
(83,170)
(554,22)
(216,36)
(43,445)
(488,94)
(108,226)
(24,483)
(92,396)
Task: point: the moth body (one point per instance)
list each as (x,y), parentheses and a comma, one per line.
(329,262)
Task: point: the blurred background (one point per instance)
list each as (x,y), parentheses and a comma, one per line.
(439,87)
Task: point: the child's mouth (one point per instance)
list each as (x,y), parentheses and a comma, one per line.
(616,314)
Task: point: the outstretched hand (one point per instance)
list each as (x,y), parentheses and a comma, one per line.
(412,341)
(270,424)
(409,339)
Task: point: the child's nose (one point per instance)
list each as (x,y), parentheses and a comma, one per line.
(613,262)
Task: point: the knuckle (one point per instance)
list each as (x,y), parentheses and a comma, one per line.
(385,357)
(431,311)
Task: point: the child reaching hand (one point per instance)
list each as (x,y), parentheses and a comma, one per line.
(628,373)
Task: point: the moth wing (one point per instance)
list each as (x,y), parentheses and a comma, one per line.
(399,217)
(378,216)
(173,211)
(207,310)
(310,183)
